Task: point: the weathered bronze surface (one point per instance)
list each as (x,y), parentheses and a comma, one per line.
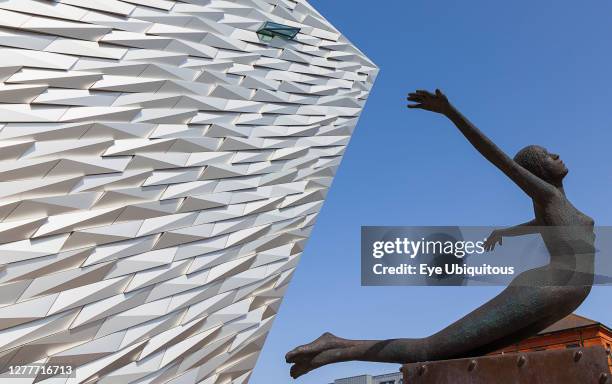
(564,366)
(534,300)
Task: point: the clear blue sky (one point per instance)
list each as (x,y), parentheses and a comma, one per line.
(525,72)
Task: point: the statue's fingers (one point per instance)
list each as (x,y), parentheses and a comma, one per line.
(413,97)
(415,106)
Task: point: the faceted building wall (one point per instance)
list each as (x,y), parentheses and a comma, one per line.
(161,168)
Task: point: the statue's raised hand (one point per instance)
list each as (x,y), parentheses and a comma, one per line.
(431,102)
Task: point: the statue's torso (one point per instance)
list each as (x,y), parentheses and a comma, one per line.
(569,237)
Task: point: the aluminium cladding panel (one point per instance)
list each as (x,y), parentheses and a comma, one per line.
(161,169)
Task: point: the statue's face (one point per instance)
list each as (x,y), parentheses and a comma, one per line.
(553,165)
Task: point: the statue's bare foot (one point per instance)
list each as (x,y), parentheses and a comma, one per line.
(325,350)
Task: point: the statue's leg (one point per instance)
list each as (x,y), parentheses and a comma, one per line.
(516,313)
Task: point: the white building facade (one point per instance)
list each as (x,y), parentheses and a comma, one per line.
(161,168)
(388,378)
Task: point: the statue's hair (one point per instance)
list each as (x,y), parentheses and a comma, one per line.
(531,158)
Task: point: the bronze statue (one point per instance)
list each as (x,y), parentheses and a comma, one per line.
(534,300)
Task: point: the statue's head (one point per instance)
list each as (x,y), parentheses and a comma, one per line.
(537,160)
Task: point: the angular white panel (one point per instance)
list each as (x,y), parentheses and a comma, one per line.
(161,168)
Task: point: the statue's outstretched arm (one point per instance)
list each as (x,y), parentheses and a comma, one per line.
(521,229)
(532,185)
(497,235)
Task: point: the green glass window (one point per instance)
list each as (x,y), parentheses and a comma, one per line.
(270,30)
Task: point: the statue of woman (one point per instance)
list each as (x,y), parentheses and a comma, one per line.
(534,300)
